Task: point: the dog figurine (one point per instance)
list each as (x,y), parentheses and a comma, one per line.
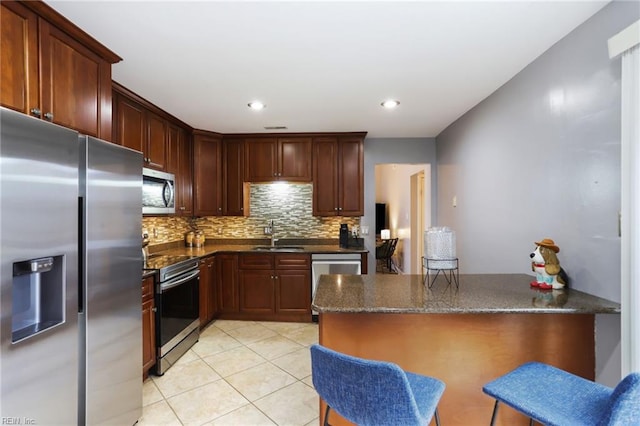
(544,262)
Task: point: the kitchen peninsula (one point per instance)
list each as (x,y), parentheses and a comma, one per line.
(466,337)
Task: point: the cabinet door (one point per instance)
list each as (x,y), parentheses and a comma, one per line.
(130,129)
(257,291)
(207,176)
(261,159)
(179,162)
(227,282)
(76,83)
(148,325)
(294,159)
(156,144)
(19,58)
(208,303)
(293,292)
(212,303)
(351,177)
(325,176)
(233,172)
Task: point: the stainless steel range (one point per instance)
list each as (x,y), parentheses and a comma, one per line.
(177,304)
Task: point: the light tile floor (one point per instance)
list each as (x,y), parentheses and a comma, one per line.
(238,373)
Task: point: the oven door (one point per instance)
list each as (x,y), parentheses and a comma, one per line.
(178,310)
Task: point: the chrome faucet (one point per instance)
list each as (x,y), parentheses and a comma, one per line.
(273,233)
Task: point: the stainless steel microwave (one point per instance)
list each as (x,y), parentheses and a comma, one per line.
(158,192)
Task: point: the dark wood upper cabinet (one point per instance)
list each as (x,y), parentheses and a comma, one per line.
(294,159)
(351,176)
(234,201)
(53,70)
(19,59)
(156,144)
(129,123)
(261,163)
(207,180)
(140,129)
(338,176)
(144,127)
(277,158)
(180,163)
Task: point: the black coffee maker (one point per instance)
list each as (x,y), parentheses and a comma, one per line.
(344,235)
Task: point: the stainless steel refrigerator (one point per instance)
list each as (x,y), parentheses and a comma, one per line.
(71,270)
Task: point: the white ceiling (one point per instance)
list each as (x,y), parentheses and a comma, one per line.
(323,66)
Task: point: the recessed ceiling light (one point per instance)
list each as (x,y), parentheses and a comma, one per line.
(257,105)
(390,103)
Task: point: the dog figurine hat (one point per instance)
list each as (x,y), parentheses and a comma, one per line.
(544,262)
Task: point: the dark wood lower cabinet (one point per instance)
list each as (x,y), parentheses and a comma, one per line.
(148,326)
(257,291)
(274,287)
(293,293)
(208,300)
(227,285)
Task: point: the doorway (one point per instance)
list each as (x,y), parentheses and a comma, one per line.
(417,220)
(405,189)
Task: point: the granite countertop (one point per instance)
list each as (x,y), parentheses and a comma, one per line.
(481,293)
(226,246)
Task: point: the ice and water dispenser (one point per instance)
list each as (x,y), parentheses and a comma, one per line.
(38,296)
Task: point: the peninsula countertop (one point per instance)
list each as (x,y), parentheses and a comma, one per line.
(477,293)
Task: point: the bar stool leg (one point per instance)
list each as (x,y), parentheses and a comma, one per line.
(326,416)
(495,413)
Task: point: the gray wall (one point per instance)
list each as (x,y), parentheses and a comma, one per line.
(392,150)
(540,158)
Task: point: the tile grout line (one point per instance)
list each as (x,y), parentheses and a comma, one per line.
(278,333)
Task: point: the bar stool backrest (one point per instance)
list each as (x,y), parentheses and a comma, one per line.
(624,404)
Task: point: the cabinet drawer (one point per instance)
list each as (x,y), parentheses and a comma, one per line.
(147,289)
(292,261)
(256,261)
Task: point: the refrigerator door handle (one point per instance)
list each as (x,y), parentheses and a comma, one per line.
(176,282)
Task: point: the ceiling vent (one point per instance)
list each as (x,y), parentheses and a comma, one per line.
(275,127)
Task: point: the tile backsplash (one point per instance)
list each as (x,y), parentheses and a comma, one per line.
(288,204)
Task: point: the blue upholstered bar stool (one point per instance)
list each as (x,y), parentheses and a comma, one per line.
(369,392)
(555,397)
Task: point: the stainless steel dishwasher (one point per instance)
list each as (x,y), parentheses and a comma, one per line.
(332,263)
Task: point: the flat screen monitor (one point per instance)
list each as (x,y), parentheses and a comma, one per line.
(381,217)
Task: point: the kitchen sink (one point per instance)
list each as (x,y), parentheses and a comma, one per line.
(279,248)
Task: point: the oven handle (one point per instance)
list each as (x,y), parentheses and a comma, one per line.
(177,281)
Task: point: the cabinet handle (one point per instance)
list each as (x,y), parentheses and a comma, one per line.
(49,116)
(36,112)
(182,208)
(340,208)
(154,309)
